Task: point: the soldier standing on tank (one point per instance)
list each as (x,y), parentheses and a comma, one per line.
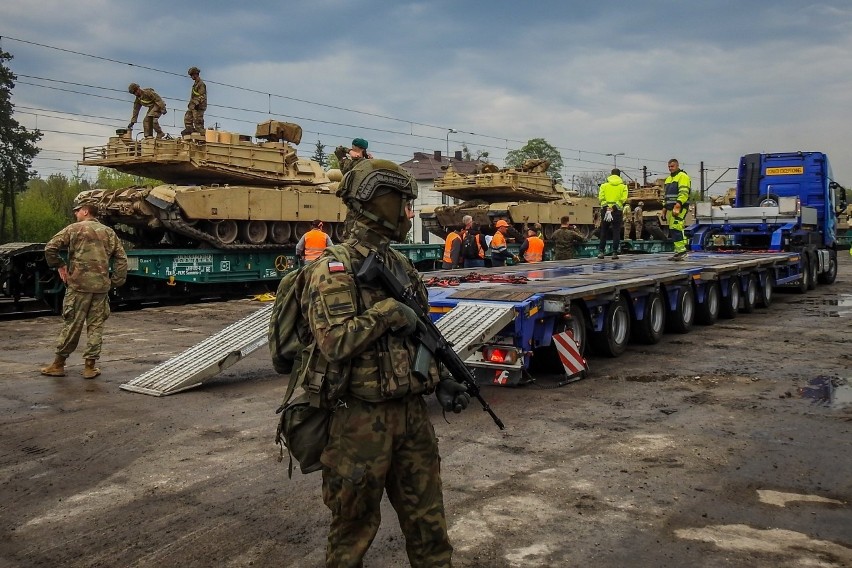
(628,221)
(193,119)
(639,220)
(87,278)
(565,240)
(156,108)
(362,356)
(348,158)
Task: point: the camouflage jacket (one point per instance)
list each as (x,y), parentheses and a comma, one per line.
(90,246)
(149,99)
(355,350)
(198,95)
(564,240)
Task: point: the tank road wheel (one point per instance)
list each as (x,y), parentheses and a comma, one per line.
(225,231)
(253,232)
(764,295)
(731,301)
(548,229)
(612,340)
(707,312)
(279,232)
(338,232)
(750,295)
(830,275)
(680,319)
(299,229)
(650,328)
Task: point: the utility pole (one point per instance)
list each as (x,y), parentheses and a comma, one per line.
(644,176)
(702,171)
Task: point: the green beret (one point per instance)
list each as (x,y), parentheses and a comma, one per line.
(360,143)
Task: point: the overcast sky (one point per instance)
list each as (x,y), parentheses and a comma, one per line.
(652,79)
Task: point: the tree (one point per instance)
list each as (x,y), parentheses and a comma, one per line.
(479,156)
(17,151)
(588,183)
(537,148)
(114,179)
(320,156)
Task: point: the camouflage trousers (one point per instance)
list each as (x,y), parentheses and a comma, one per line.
(151,122)
(193,120)
(377,447)
(79,309)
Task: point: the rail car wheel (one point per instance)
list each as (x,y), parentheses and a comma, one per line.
(225,231)
(804,268)
(612,340)
(766,292)
(680,319)
(279,232)
(750,295)
(300,228)
(650,328)
(253,231)
(338,231)
(707,312)
(829,276)
(730,301)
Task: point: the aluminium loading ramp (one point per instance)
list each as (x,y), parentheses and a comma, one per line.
(206,359)
(467,327)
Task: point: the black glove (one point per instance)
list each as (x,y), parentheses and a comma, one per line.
(452,395)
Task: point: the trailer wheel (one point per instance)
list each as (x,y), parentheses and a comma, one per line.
(612,340)
(650,328)
(749,298)
(766,292)
(829,276)
(680,319)
(730,301)
(814,270)
(580,326)
(707,312)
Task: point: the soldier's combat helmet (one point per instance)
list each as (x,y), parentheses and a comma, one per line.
(131,88)
(193,70)
(378,191)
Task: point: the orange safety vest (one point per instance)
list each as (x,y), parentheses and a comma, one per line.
(448,247)
(315,243)
(498,240)
(535,250)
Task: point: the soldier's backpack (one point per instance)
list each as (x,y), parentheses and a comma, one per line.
(470,246)
(303,426)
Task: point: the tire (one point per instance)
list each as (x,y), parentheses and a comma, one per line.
(681,318)
(830,275)
(731,301)
(766,292)
(612,340)
(814,269)
(804,267)
(650,328)
(655,231)
(707,312)
(749,297)
(580,326)
(768,200)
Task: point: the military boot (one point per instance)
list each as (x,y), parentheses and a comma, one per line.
(56,369)
(90,371)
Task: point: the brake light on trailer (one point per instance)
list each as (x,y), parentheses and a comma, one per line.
(500,354)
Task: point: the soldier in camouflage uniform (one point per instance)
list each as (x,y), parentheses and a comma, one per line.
(90,247)
(638,220)
(628,221)
(565,240)
(156,108)
(380,437)
(193,119)
(348,158)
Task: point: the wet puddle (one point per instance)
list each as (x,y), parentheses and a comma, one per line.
(830,392)
(839,306)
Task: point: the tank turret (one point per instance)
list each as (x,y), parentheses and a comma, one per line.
(223,189)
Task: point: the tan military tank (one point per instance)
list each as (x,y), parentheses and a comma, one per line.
(222,189)
(653,199)
(525,195)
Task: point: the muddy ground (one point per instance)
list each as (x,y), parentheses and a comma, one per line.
(698,451)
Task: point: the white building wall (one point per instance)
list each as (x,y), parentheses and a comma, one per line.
(427,197)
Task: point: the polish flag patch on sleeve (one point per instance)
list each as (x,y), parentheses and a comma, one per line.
(336,266)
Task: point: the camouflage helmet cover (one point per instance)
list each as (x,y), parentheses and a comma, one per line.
(131,88)
(379,190)
(193,70)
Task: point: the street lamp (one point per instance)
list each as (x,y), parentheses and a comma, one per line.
(449,131)
(615,158)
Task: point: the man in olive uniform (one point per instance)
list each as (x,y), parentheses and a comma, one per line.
(156,108)
(677,186)
(380,436)
(90,246)
(348,158)
(193,120)
(565,240)
(639,220)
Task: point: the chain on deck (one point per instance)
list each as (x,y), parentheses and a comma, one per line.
(206,359)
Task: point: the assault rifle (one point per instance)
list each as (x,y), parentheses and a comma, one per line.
(432,343)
